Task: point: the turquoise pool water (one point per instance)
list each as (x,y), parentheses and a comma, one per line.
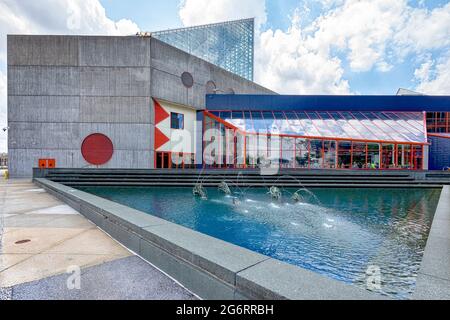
(339,233)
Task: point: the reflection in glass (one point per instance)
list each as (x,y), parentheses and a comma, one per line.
(387,156)
(359,155)
(373,155)
(301,153)
(287,153)
(344,154)
(329,150)
(316,160)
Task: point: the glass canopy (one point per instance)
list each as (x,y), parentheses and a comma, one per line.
(396,127)
(228,45)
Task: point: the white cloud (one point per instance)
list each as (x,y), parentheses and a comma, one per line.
(367,35)
(423,73)
(360,29)
(434,78)
(286,64)
(196,12)
(282,61)
(424,30)
(52,17)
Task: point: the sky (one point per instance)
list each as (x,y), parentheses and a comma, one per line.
(301,46)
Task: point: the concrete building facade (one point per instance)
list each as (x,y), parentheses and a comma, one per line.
(62,89)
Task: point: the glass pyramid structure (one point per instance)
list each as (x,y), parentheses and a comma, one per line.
(229,45)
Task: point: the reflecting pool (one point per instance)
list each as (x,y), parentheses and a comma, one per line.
(345,234)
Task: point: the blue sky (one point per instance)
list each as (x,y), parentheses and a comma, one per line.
(149,15)
(158,15)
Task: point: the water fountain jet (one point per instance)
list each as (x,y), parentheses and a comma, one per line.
(223,186)
(200,191)
(275,192)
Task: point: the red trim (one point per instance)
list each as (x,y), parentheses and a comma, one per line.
(160,113)
(439,135)
(160,138)
(383,145)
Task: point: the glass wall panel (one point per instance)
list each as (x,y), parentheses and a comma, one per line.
(270,122)
(287,152)
(248,122)
(258,122)
(373,155)
(294,123)
(344,155)
(240,150)
(333,124)
(229,149)
(188,161)
(392,132)
(366,119)
(329,154)
(321,126)
(229,45)
(347,130)
(316,154)
(359,155)
(307,124)
(418,157)
(262,150)
(274,149)
(438,122)
(387,156)
(404,156)
(414,119)
(301,153)
(252,150)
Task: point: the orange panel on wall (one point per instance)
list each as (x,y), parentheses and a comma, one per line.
(47,163)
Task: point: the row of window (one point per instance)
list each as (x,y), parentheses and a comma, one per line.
(438,122)
(233,149)
(174,160)
(395,126)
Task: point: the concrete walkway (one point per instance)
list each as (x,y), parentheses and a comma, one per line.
(42,237)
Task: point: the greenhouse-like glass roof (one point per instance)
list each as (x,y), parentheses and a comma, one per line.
(397,127)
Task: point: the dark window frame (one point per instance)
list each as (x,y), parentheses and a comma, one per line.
(177,122)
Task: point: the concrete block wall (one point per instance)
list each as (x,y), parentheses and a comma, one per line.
(168,63)
(63,88)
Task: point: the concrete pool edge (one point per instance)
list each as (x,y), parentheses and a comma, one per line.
(433,280)
(209,267)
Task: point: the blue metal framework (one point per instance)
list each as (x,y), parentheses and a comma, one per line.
(329,103)
(229,45)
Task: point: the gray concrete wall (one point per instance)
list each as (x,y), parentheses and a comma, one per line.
(63,88)
(168,63)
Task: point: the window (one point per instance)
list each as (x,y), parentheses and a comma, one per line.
(176,120)
(344,154)
(438,122)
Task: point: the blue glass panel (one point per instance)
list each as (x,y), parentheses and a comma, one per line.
(258,122)
(236,115)
(325,115)
(279,115)
(225,115)
(229,45)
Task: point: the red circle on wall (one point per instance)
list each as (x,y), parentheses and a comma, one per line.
(97,149)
